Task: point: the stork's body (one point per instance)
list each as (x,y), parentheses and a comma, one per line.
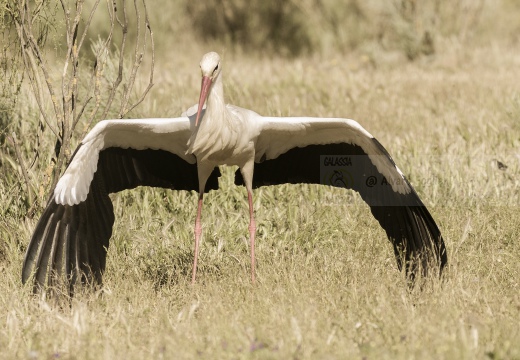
(225,137)
(184,154)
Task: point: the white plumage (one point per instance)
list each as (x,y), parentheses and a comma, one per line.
(184,153)
(278,135)
(72,188)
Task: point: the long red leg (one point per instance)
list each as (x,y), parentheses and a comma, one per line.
(198,232)
(252,231)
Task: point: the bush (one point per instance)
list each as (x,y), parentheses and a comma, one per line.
(10,70)
(292,28)
(272,25)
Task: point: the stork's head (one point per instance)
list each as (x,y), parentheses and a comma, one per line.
(210,68)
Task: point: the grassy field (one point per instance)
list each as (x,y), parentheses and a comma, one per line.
(328,285)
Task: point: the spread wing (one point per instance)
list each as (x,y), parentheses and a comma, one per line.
(340,153)
(71,238)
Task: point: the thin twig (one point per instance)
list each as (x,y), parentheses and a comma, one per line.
(36,84)
(138,58)
(28,58)
(25,175)
(150,83)
(83,109)
(100,63)
(76,117)
(36,49)
(124,28)
(87,25)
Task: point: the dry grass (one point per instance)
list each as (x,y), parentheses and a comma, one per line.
(328,286)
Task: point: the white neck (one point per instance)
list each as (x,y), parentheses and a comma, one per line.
(216,133)
(216,111)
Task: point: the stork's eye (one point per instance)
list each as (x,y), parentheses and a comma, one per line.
(216,68)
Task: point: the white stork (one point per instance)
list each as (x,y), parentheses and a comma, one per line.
(72,236)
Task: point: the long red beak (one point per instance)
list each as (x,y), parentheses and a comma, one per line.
(204,91)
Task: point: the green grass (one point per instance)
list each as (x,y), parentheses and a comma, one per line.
(328,285)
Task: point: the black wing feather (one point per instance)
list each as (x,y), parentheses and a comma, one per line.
(409,226)
(73,240)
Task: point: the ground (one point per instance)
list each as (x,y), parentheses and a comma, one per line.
(327,281)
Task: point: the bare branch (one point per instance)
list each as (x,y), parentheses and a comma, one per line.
(92,82)
(87,25)
(76,117)
(25,175)
(69,109)
(124,29)
(82,110)
(66,12)
(138,58)
(150,83)
(36,50)
(101,59)
(30,63)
